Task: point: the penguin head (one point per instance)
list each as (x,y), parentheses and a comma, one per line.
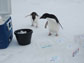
(34,14)
(44,16)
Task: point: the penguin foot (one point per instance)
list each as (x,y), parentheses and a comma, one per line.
(49,34)
(57,35)
(36,26)
(32,25)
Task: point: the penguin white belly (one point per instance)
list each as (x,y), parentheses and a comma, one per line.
(53,25)
(35,22)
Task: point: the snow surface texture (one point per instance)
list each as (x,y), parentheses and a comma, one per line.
(44,48)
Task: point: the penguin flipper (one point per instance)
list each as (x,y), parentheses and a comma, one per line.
(61,25)
(46,24)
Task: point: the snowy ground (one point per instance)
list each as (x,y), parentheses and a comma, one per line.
(44,48)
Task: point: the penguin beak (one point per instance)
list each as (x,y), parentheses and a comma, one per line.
(40,17)
(43,17)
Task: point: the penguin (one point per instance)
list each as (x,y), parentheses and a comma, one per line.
(52,22)
(34,19)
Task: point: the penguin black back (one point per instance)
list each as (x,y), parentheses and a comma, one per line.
(54,17)
(47,15)
(34,14)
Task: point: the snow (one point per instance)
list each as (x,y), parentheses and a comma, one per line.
(22,32)
(44,48)
(1,20)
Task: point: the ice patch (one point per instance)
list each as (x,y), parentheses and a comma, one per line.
(80,40)
(54,59)
(75,52)
(46,46)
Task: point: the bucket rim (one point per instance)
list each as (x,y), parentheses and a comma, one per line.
(18,30)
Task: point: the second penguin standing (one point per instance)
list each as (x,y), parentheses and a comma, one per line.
(34,19)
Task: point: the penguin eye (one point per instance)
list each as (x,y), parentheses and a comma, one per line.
(44,16)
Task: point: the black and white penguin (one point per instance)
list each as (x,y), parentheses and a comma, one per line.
(34,18)
(53,23)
